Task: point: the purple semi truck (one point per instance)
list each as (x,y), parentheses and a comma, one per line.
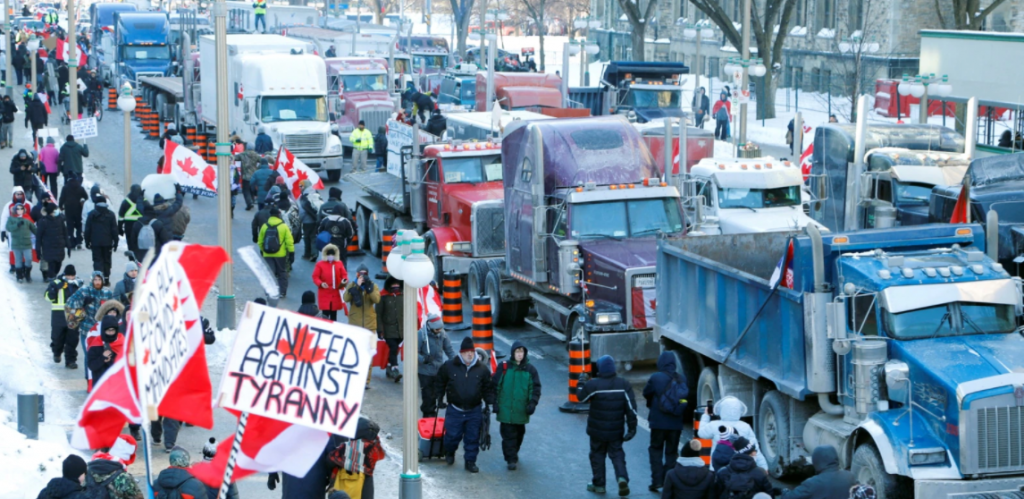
(584,208)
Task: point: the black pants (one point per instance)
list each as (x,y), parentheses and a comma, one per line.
(52,179)
(429,405)
(62,339)
(247,194)
(74,226)
(101,259)
(511,440)
(330,314)
(599,450)
(664,445)
(129,229)
(20,72)
(166,429)
(309,240)
(393,350)
(53,268)
(720,129)
(279,266)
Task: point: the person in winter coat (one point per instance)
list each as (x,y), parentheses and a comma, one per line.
(309,209)
(729,410)
(19,230)
(250,161)
(517,392)
(179,221)
(690,478)
(69,484)
(340,229)
(434,350)
(665,427)
(437,123)
(264,144)
(722,113)
(20,53)
(102,356)
(63,339)
(70,158)
(743,478)
(701,107)
(829,480)
(156,216)
(52,239)
(81,308)
(308,305)
(22,169)
(315,482)
(125,287)
(107,479)
(723,446)
(362,295)
(36,116)
(48,158)
(612,403)
(7,111)
(380,148)
(71,202)
(466,382)
(334,203)
(129,214)
(423,103)
(259,181)
(330,277)
(177,480)
(390,317)
(101,237)
(277,260)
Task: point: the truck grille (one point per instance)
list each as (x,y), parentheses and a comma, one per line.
(488,229)
(375,118)
(1000,443)
(305,143)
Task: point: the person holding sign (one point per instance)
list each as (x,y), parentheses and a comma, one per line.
(466,381)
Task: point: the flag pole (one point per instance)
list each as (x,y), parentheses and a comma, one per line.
(236,446)
(147,453)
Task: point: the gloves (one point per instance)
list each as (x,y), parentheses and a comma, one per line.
(87,300)
(3,236)
(629,435)
(272,480)
(530,408)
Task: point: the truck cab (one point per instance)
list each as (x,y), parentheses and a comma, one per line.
(104,45)
(459,87)
(430,59)
(649,89)
(142,46)
(358,91)
(736,196)
(900,181)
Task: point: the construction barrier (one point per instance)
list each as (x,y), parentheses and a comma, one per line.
(579,364)
(211,149)
(705,444)
(451,299)
(111,98)
(483,324)
(387,242)
(353,243)
(138,107)
(154,124)
(200,146)
(190,135)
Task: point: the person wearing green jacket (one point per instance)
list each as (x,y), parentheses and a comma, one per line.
(362,144)
(277,248)
(518,391)
(20,229)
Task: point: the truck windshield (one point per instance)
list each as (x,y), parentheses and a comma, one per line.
(912,193)
(950,319)
(364,83)
(146,53)
(620,219)
(472,170)
(648,99)
(1009,211)
(430,61)
(736,197)
(293,109)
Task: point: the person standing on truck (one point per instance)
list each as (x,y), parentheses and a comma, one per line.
(380,148)
(259,8)
(665,393)
(722,113)
(264,144)
(612,403)
(362,143)
(331,52)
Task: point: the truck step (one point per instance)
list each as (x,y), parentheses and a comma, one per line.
(546,329)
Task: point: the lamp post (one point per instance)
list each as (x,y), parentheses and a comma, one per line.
(8,69)
(407,263)
(699,32)
(126,103)
(33,54)
(72,63)
(920,86)
(745,78)
(226,295)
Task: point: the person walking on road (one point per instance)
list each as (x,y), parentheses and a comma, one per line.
(690,478)
(466,382)
(829,480)
(176,481)
(434,350)
(665,391)
(730,409)
(722,112)
(36,116)
(612,404)
(48,158)
(125,287)
(390,320)
(70,159)
(362,144)
(264,144)
(62,338)
(309,209)
(276,243)
(18,60)
(20,230)
(743,478)
(701,108)
(259,181)
(129,214)
(154,228)
(517,392)
(340,229)
(69,484)
(72,202)
(52,239)
(362,294)
(330,277)
(7,111)
(250,161)
(103,355)
(101,237)
(22,169)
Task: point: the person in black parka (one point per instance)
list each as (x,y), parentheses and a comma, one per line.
(69,484)
(829,480)
(101,236)
(52,239)
(22,167)
(612,405)
(666,428)
(691,478)
(72,202)
(129,214)
(742,478)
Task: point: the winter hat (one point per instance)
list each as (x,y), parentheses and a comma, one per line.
(308,297)
(339,494)
(434,321)
(97,273)
(275,212)
(180,458)
(70,270)
(862,492)
(109,322)
(261,301)
(130,266)
(467,345)
(210,449)
(691,449)
(49,140)
(744,446)
(74,467)
(724,433)
(334,192)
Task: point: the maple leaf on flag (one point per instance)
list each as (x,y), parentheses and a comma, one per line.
(296,189)
(209,175)
(187,167)
(304,349)
(289,167)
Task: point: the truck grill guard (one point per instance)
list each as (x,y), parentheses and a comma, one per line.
(488,228)
(992,436)
(375,118)
(305,143)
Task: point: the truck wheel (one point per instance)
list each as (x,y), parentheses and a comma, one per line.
(161,105)
(520,309)
(867,467)
(373,236)
(575,330)
(773,432)
(500,312)
(707,386)
(475,279)
(333,175)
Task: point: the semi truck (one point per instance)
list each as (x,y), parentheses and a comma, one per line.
(899,347)
(104,46)
(358,91)
(430,59)
(647,91)
(142,46)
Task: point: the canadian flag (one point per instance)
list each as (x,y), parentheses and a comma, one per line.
(427,302)
(962,209)
(192,173)
(112,403)
(805,157)
(295,171)
(63,52)
(644,305)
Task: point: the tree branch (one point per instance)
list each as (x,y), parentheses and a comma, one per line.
(988,10)
(718,16)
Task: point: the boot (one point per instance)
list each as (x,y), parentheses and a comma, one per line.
(28,274)
(20,274)
(397,375)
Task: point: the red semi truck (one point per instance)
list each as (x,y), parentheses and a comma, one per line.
(357,90)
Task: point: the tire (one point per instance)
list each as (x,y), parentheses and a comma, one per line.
(500,312)
(333,175)
(520,309)
(373,237)
(432,253)
(707,386)
(476,279)
(575,330)
(868,469)
(773,432)
(362,229)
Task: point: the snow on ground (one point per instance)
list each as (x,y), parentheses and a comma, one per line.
(29,464)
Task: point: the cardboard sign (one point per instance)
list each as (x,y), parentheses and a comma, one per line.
(84,128)
(298,369)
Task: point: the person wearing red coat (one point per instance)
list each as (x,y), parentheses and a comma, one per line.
(330,278)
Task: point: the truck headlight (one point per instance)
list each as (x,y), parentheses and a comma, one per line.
(607,318)
(334,148)
(930,455)
(459,246)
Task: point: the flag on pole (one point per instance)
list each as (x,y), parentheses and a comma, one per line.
(112,403)
(783,273)
(63,53)
(962,210)
(295,171)
(427,302)
(190,171)
(806,156)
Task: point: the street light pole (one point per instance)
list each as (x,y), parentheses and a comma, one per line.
(72,62)
(126,103)
(745,81)
(226,299)
(8,70)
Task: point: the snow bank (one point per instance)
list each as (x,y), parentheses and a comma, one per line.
(29,464)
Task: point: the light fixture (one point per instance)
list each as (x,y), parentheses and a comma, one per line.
(758,69)
(475,36)
(689,33)
(592,48)
(394,261)
(707,32)
(574,49)
(417,269)
(125,101)
(579,24)
(844,47)
(917,88)
(904,87)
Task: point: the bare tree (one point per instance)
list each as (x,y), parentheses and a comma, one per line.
(638,19)
(572,10)
(847,65)
(768,41)
(966,14)
(535,9)
(462,11)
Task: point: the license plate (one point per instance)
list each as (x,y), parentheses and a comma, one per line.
(643,282)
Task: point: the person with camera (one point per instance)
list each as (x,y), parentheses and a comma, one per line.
(361,295)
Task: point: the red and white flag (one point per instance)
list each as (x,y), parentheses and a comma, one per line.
(112,403)
(295,171)
(427,302)
(805,157)
(962,209)
(64,55)
(644,306)
(190,171)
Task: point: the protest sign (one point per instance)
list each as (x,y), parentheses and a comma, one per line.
(84,128)
(301,370)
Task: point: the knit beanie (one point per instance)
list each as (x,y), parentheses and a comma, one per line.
(308,297)
(109,322)
(435,322)
(70,270)
(74,467)
(179,457)
(467,345)
(130,266)
(210,449)
(691,449)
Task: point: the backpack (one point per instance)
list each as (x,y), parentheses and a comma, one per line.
(147,236)
(740,486)
(272,239)
(673,399)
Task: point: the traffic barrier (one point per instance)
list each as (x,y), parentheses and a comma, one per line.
(154,124)
(387,242)
(190,134)
(138,107)
(483,323)
(211,149)
(146,120)
(353,243)
(111,98)
(579,364)
(200,146)
(705,444)
(451,299)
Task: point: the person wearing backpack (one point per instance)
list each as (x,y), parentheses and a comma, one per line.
(742,478)
(691,478)
(277,245)
(176,482)
(517,386)
(666,394)
(829,480)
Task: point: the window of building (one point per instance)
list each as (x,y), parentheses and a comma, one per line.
(826,14)
(856,15)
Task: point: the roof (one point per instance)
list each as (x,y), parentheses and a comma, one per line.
(286,74)
(753,173)
(916,137)
(614,72)
(145,26)
(362,64)
(997,169)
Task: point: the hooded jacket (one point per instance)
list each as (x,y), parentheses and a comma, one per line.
(179,221)
(22,169)
(465,386)
(250,160)
(103,480)
(517,388)
(309,206)
(124,289)
(48,158)
(181,480)
(72,198)
(612,403)
(338,226)
(9,109)
(20,231)
(285,234)
(131,209)
(158,218)
(52,237)
(70,158)
(259,180)
(729,410)
(656,386)
(434,350)
(264,144)
(89,299)
(334,275)
(828,482)
(390,311)
(36,114)
(62,488)
(364,316)
(334,204)
(690,479)
(101,226)
(742,474)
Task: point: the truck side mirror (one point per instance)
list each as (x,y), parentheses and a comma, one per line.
(867,186)
(835,320)
(897,381)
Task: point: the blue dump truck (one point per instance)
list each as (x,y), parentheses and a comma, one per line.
(142,46)
(900,347)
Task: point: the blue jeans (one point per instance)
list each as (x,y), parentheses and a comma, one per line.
(261,18)
(463,426)
(380,163)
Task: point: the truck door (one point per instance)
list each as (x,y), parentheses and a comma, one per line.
(432,184)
